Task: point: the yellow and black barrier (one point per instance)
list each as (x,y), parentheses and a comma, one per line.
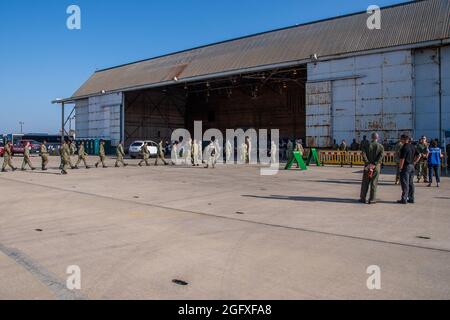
(351,158)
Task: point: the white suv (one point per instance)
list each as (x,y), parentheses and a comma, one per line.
(135,148)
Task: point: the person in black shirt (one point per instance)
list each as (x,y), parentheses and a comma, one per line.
(408,160)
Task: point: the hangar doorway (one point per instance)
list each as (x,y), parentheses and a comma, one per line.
(265,100)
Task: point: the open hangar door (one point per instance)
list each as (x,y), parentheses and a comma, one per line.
(153,114)
(273,99)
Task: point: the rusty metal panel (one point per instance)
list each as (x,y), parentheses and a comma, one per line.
(405,24)
(318,113)
(380,99)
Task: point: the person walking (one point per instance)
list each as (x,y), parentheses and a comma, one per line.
(160,153)
(101,155)
(194,152)
(273,153)
(211,154)
(289,150)
(120,153)
(435,157)
(228,151)
(72,151)
(373,155)
(64,152)
(174,154)
(82,156)
(145,153)
(26,157)
(43,153)
(7,157)
(409,156)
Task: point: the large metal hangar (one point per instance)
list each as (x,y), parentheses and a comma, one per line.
(325,80)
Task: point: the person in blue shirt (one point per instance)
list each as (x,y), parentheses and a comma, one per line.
(434,162)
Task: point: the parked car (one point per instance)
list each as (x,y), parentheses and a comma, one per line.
(20,146)
(2,148)
(135,148)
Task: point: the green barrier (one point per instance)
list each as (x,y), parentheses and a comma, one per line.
(313,156)
(298,159)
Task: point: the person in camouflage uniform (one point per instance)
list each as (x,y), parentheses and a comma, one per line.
(101,155)
(145,155)
(120,153)
(422,166)
(26,157)
(82,156)
(64,153)
(7,157)
(373,157)
(72,150)
(160,153)
(43,153)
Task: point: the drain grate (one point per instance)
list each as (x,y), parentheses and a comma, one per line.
(423,237)
(180,282)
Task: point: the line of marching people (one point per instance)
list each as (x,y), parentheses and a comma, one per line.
(192,153)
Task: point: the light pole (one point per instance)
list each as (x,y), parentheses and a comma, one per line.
(21,126)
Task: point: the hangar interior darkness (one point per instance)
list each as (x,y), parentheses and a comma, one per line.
(272,99)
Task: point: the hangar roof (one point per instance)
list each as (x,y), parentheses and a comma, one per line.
(405,24)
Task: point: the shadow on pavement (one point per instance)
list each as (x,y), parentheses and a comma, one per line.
(310,199)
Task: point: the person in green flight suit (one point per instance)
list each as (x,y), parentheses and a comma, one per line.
(43,153)
(26,157)
(64,153)
(373,157)
(160,153)
(120,153)
(145,155)
(82,156)
(101,155)
(7,157)
(422,166)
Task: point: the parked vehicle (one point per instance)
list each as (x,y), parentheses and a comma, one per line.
(19,147)
(135,148)
(2,148)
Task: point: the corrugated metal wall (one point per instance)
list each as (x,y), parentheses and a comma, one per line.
(445,74)
(367,93)
(426,70)
(99,117)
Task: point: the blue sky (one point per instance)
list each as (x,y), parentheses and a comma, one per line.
(40,59)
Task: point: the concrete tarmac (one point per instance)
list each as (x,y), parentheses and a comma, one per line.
(228,232)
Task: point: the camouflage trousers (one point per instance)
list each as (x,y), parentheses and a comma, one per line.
(44,161)
(7,163)
(144,159)
(101,160)
(26,161)
(422,170)
(82,159)
(119,160)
